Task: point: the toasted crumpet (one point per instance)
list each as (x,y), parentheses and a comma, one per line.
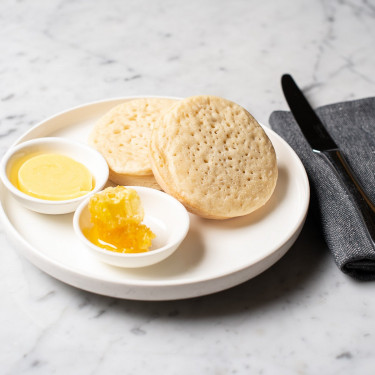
(214,157)
(122,136)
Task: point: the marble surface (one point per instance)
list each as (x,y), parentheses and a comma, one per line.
(302,316)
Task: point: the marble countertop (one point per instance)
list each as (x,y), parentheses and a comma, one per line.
(301,316)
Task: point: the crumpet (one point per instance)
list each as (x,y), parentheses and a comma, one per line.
(214,157)
(122,136)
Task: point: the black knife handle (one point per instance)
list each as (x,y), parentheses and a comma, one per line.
(365,207)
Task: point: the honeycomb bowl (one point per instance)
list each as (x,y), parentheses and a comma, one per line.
(164,215)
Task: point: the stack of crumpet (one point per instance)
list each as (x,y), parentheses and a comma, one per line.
(206,151)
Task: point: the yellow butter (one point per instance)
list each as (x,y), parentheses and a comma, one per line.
(53,177)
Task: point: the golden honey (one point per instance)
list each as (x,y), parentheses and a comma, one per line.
(116,218)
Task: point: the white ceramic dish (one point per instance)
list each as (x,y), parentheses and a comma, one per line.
(81,152)
(164,215)
(214,256)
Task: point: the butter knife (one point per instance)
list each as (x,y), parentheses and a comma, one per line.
(323,144)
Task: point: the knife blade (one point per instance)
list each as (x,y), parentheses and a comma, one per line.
(322,143)
(308,121)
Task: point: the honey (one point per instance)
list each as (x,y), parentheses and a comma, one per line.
(116,218)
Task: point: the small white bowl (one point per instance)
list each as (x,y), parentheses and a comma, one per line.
(81,152)
(164,215)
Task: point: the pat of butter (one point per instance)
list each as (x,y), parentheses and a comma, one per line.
(54,177)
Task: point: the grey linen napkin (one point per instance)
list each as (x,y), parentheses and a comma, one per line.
(352,126)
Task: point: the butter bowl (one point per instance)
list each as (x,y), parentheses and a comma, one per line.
(79,152)
(164,215)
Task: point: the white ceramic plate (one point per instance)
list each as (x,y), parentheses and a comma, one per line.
(214,256)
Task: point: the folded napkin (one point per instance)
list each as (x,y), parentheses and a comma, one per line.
(352,126)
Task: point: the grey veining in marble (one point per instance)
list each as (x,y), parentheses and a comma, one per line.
(302,316)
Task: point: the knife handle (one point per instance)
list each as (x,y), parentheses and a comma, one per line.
(365,207)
